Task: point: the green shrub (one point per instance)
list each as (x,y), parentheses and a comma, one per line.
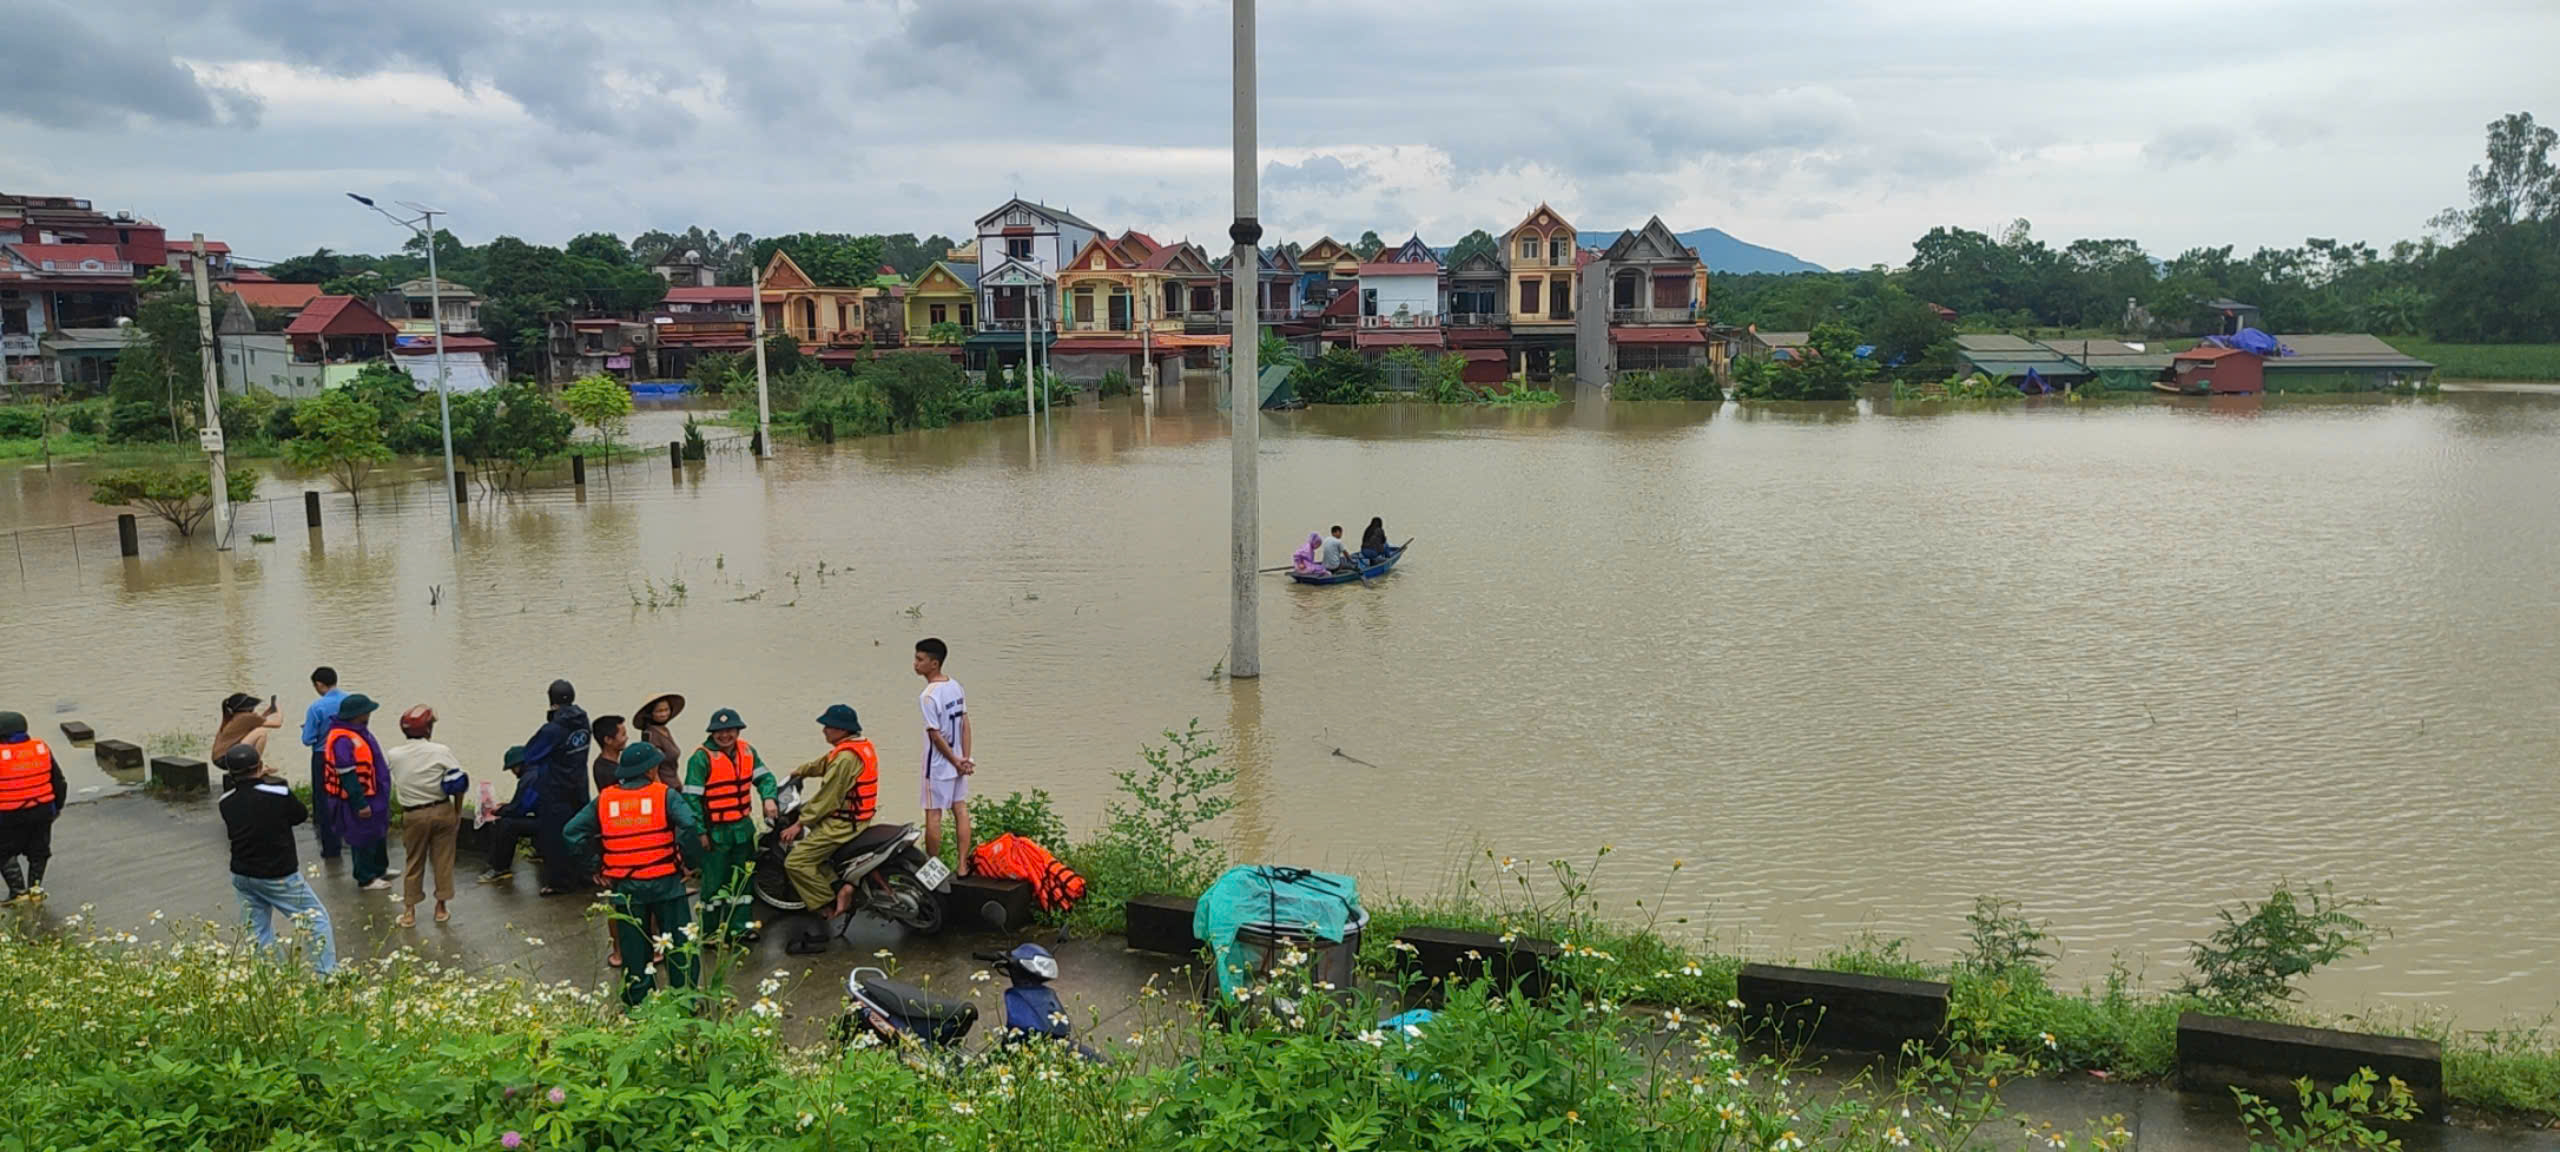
(2250,963)
(22,421)
(84,417)
(138,422)
(1694,384)
(1340,376)
(1032,817)
(279,426)
(840,406)
(246,415)
(1999,938)
(1114,383)
(181,496)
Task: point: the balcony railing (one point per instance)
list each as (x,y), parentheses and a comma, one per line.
(1653,315)
(1013,324)
(1478,319)
(1402,320)
(17,344)
(1121,326)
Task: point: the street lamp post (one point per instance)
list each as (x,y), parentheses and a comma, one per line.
(1244,409)
(444,385)
(764,405)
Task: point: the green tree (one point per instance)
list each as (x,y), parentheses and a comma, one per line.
(2518,182)
(782,355)
(1827,369)
(504,432)
(1369,245)
(1478,241)
(600,402)
(601,247)
(181,496)
(162,366)
(320,267)
(716,372)
(341,434)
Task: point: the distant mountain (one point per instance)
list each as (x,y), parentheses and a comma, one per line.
(1723,253)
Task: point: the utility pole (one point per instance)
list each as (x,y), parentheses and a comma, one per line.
(764,400)
(1030,322)
(212,432)
(1244,409)
(444,386)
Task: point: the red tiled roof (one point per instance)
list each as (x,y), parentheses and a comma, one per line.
(1395,337)
(290,297)
(339,316)
(2208,352)
(1149,242)
(1485,354)
(67,257)
(1657,336)
(1343,306)
(716,294)
(1390,268)
(251,276)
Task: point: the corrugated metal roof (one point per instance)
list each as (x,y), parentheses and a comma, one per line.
(1997,343)
(1999,369)
(2342,350)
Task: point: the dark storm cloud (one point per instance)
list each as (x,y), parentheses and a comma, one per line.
(60,64)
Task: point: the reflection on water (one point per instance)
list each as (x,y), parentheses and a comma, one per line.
(2123,662)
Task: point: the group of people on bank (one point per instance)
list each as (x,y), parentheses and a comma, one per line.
(1325,553)
(659,824)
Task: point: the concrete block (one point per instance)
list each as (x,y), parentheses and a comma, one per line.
(119,756)
(1161,923)
(990,903)
(77,732)
(1842,1010)
(1449,954)
(180,773)
(2217,1053)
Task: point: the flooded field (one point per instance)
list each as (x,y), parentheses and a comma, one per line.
(2122,662)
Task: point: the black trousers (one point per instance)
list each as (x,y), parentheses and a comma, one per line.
(27,832)
(504,834)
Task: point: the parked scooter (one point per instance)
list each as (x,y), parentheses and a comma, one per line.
(890,875)
(1031,1008)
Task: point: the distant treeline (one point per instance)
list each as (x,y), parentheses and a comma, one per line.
(2485,273)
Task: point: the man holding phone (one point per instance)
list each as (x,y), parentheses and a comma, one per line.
(315,727)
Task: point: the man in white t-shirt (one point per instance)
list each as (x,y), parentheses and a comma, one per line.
(947,743)
(425,779)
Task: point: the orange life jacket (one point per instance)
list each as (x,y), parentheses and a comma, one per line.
(639,841)
(863,799)
(26,775)
(330,781)
(1054,885)
(726,792)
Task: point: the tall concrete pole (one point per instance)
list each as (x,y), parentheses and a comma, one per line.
(444,386)
(764,401)
(212,433)
(1244,410)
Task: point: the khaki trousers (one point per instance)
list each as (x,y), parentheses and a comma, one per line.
(426,836)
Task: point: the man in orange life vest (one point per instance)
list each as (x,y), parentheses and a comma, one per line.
(723,778)
(848,795)
(641,829)
(32,791)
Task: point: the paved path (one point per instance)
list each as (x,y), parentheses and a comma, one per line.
(138,854)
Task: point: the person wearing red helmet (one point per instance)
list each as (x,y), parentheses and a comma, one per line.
(426,780)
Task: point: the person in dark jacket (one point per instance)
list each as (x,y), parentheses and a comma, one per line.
(515,821)
(260,812)
(559,751)
(1373,541)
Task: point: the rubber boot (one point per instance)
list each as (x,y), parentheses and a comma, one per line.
(35,876)
(17,879)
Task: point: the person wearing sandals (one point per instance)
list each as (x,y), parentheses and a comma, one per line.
(358,788)
(425,779)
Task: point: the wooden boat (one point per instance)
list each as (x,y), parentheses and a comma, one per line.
(1359,575)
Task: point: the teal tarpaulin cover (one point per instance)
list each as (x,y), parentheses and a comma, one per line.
(1321,904)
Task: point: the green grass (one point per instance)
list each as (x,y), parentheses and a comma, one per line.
(2539,362)
(96,450)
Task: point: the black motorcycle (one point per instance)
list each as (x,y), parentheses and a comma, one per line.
(890,875)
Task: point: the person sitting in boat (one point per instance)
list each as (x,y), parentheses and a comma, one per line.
(1335,556)
(1303,561)
(1373,542)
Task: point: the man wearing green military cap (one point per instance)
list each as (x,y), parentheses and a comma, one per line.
(638,831)
(719,779)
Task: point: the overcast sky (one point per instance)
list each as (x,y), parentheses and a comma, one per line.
(1839,130)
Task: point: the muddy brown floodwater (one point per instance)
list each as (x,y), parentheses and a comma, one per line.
(2123,662)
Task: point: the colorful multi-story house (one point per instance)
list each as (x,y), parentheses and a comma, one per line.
(1645,298)
(1477,323)
(1022,245)
(1400,299)
(1326,269)
(1543,259)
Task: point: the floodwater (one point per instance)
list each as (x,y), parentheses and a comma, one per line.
(2124,663)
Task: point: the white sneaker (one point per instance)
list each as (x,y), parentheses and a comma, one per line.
(378,885)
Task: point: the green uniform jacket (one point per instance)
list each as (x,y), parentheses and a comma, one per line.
(838,770)
(697,778)
(586,842)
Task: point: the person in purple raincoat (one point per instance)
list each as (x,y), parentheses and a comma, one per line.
(359,790)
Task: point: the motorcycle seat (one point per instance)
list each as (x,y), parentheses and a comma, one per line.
(936,1019)
(872,839)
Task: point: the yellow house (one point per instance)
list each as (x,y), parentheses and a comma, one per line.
(812,314)
(1097,290)
(947,293)
(1543,257)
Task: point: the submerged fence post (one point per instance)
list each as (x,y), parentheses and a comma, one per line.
(675,456)
(311,507)
(578,470)
(461,487)
(755,441)
(128,535)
